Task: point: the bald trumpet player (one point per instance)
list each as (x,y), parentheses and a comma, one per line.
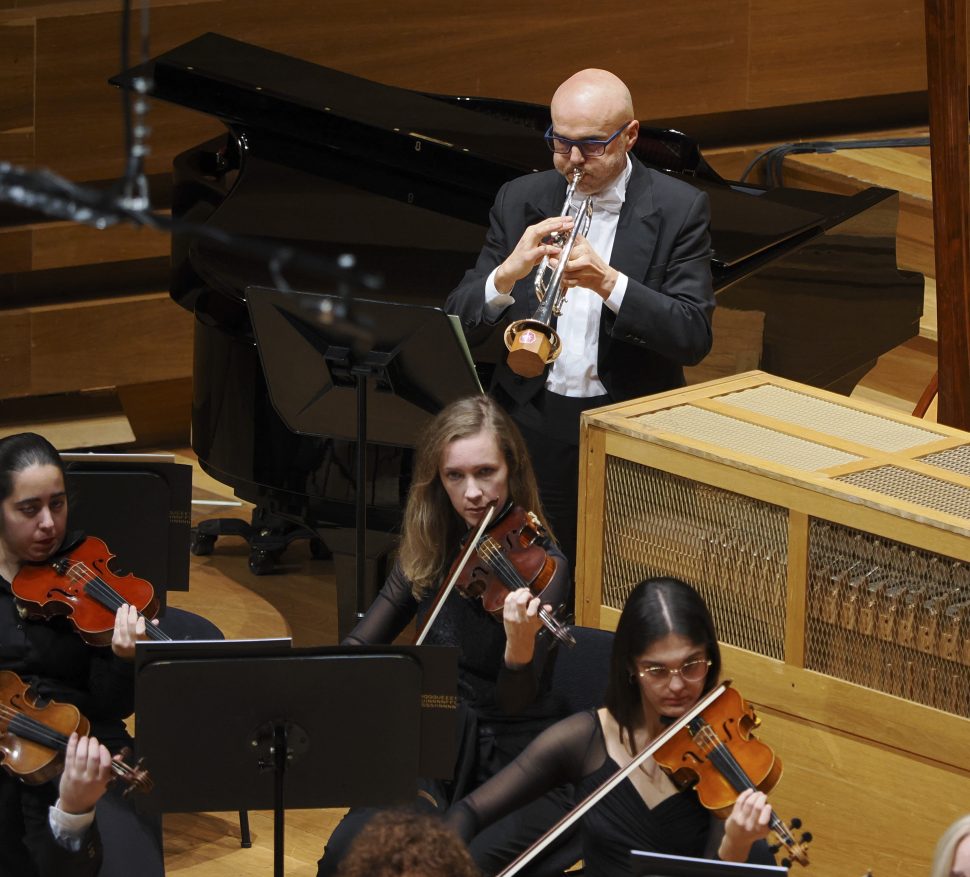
(638,281)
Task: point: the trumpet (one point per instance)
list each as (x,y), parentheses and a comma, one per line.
(533,344)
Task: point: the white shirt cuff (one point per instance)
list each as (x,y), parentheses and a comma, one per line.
(496,302)
(69,828)
(619,290)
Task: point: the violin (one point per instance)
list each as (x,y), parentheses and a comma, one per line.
(716,754)
(703,708)
(80,585)
(508,557)
(33,738)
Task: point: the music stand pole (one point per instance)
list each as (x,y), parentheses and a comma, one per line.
(280,754)
(361,511)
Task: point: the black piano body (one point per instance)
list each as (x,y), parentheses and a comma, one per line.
(331,164)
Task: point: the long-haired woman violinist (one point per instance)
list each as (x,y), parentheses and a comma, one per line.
(48,654)
(471,457)
(665,657)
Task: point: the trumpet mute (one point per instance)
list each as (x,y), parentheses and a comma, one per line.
(532,346)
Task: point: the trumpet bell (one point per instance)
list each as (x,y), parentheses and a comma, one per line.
(532,345)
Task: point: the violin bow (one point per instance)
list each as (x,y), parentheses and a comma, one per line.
(447,589)
(597,795)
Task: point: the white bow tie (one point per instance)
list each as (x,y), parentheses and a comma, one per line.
(609,203)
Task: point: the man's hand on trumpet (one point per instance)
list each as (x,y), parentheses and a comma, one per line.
(529,251)
(587,269)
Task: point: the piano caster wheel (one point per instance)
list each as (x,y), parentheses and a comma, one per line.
(319,550)
(202,544)
(262,562)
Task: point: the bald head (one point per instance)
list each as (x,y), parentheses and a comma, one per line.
(594,105)
(593,97)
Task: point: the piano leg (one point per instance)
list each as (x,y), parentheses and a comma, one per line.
(268,536)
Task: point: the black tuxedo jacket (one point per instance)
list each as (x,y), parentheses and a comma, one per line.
(662,245)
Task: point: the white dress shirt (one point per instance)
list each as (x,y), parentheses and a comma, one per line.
(69,828)
(574,373)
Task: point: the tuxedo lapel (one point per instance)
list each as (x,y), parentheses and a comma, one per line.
(545,202)
(639,226)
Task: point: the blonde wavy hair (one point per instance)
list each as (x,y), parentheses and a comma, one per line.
(432,529)
(947,847)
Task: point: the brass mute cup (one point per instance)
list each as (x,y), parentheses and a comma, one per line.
(532,345)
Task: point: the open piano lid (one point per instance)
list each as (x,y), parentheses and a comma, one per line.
(250,87)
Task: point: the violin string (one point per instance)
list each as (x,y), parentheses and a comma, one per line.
(107,596)
(492,554)
(32,729)
(728,766)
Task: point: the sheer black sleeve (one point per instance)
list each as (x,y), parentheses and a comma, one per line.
(388,615)
(517,688)
(564,753)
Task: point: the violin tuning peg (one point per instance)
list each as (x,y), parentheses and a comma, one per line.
(773,848)
(806,837)
(786,863)
(796,823)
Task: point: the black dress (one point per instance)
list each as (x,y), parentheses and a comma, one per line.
(574,751)
(501,710)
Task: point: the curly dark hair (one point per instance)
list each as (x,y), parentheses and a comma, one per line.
(406,843)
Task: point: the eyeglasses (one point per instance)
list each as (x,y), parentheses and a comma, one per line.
(692,671)
(589,148)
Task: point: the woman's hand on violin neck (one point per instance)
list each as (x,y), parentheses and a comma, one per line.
(747,823)
(129,628)
(87,772)
(521,619)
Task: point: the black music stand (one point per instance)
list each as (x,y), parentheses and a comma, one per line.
(376,372)
(214,720)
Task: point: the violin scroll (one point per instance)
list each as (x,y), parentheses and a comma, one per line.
(134,776)
(797,849)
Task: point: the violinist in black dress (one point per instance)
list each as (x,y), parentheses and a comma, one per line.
(470,458)
(665,657)
(48,654)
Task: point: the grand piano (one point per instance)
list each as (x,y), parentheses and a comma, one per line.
(331,164)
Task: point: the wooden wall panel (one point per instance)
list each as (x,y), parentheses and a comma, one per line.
(667,57)
(17,147)
(14,353)
(828,49)
(109,343)
(15,249)
(63,244)
(79,129)
(43,246)
(16,76)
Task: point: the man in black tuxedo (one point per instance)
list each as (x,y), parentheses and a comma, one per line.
(640,299)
